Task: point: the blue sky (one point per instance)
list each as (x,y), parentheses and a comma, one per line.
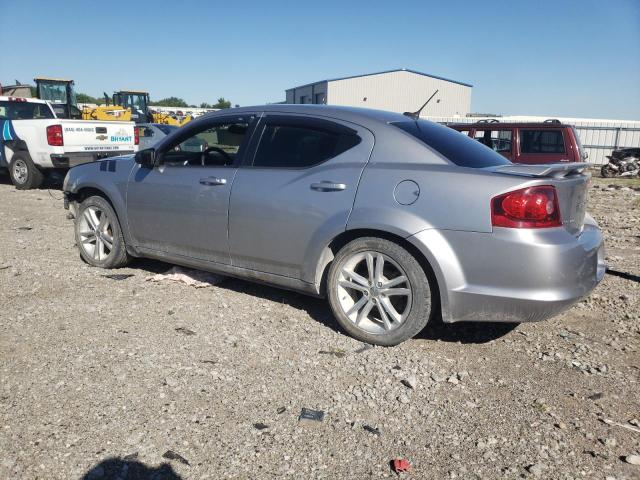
(547,57)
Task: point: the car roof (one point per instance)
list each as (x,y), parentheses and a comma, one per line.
(362,116)
(498,125)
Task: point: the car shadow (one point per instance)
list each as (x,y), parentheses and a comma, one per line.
(51,182)
(119,468)
(318,309)
(465,332)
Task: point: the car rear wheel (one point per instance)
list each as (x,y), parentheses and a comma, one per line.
(378,291)
(23,172)
(99,236)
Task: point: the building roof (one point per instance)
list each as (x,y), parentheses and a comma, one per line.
(380,73)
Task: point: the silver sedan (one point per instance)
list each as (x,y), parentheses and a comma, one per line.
(394,219)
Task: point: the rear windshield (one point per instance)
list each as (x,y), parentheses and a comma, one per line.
(24,110)
(454,146)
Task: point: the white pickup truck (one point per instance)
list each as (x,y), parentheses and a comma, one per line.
(33,141)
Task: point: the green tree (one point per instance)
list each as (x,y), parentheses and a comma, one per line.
(222,103)
(84,98)
(170,102)
(205,105)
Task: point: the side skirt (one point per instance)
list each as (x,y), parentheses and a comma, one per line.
(279,281)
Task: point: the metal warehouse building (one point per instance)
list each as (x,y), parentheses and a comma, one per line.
(399,90)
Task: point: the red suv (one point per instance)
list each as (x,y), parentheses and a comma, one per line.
(546,142)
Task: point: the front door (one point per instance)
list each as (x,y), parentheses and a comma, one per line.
(297,192)
(180,207)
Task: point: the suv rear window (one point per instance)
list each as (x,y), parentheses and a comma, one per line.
(24,110)
(459,149)
(541,141)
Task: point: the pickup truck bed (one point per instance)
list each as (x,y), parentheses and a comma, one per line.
(33,140)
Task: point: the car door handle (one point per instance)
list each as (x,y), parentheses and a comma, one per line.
(328,186)
(211,181)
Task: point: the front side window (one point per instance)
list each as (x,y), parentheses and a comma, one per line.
(216,146)
(497,140)
(541,141)
(301,146)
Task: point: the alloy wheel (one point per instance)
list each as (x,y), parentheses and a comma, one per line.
(374,292)
(96,233)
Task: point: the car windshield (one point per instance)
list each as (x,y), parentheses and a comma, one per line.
(459,149)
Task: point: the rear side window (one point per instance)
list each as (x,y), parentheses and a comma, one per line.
(541,141)
(459,149)
(498,140)
(288,144)
(24,111)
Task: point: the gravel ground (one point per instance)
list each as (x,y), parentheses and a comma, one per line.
(126,378)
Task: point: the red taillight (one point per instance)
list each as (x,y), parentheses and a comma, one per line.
(136,135)
(54,135)
(533,207)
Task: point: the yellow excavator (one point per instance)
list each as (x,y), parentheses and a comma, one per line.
(62,96)
(137,102)
(125,105)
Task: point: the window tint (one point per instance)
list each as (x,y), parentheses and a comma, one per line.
(541,141)
(166,129)
(300,146)
(459,149)
(144,131)
(24,110)
(215,146)
(497,140)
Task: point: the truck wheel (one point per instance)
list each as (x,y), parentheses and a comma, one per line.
(378,292)
(23,172)
(99,236)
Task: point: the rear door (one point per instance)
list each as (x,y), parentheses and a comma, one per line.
(542,145)
(296,193)
(181,206)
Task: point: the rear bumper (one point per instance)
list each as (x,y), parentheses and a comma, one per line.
(68,160)
(513,275)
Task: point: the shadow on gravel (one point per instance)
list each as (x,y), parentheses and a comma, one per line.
(52,182)
(318,309)
(465,332)
(118,468)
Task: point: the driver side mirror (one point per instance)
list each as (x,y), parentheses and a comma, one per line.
(146,158)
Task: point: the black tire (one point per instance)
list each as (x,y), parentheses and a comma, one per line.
(117,256)
(421,306)
(23,172)
(607,172)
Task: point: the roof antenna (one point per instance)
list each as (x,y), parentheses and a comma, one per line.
(416,115)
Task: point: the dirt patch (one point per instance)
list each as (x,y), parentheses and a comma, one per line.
(114,376)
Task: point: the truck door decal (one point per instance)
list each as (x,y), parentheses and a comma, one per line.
(8,135)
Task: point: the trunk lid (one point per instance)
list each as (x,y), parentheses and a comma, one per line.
(571,181)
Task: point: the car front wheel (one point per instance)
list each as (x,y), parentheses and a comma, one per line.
(379,292)
(98,234)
